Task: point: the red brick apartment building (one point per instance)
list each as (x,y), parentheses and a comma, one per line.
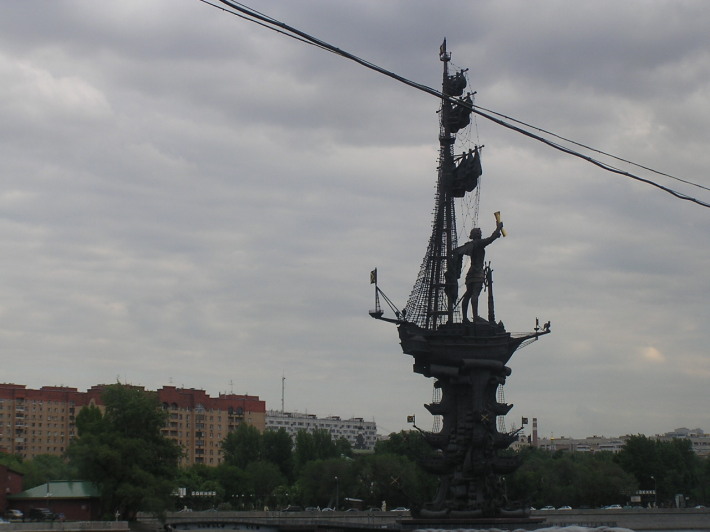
(10,482)
(34,422)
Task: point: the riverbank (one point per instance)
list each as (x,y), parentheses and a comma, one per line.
(638,520)
(66,526)
(654,520)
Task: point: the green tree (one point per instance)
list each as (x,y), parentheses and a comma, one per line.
(574,479)
(278,449)
(199,478)
(39,469)
(670,467)
(640,457)
(604,481)
(44,467)
(89,420)
(263,478)
(681,468)
(701,495)
(13,461)
(324,445)
(321,482)
(305,450)
(242,446)
(315,445)
(343,448)
(236,487)
(124,452)
(393,479)
(409,443)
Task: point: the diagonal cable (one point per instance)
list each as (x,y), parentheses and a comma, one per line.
(252,15)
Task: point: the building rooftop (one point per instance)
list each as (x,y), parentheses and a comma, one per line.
(60,489)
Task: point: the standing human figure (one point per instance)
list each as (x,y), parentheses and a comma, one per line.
(476,249)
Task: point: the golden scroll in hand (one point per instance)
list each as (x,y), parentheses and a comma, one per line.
(497,215)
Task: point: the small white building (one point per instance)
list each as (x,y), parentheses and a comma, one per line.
(591,444)
(360,433)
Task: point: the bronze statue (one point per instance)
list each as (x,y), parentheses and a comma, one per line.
(476,249)
(466,360)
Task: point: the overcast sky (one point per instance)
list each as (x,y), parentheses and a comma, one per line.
(190,199)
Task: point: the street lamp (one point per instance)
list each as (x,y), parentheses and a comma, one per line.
(337,494)
(655,492)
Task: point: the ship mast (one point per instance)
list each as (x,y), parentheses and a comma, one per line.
(432,302)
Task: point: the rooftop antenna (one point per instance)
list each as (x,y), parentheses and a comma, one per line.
(231,387)
(283,384)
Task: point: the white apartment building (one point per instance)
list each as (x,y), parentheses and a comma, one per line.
(591,444)
(360,433)
(698,439)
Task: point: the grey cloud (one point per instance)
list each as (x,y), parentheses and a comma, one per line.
(190,198)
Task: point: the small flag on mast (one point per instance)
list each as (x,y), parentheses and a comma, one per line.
(442,49)
(373,276)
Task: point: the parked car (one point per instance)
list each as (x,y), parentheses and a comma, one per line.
(546,508)
(14,515)
(41,514)
(293,508)
(565,508)
(613,507)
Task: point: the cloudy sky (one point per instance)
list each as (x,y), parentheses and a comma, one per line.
(188,198)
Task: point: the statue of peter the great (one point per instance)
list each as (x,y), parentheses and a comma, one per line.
(475,277)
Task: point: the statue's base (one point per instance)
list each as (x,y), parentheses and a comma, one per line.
(501,523)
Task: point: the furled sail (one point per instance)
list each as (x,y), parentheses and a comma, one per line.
(459,116)
(454,85)
(465,175)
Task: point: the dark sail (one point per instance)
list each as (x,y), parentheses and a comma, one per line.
(454,85)
(459,116)
(465,175)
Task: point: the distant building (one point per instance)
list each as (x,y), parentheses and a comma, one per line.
(360,433)
(699,441)
(40,421)
(199,422)
(34,422)
(75,500)
(591,444)
(10,483)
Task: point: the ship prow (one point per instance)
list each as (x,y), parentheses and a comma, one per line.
(455,346)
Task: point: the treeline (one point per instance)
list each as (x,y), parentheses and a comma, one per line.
(136,468)
(270,471)
(670,468)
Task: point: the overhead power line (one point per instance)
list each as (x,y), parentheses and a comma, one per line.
(251,15)
(592,149)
